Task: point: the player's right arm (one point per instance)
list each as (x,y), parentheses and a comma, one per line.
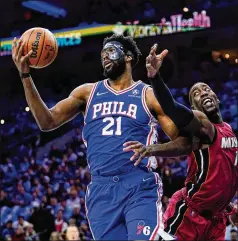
(64,111)
(48,119)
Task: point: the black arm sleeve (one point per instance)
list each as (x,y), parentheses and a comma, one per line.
(182,117)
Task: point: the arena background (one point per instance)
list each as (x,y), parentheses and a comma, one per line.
(44,175)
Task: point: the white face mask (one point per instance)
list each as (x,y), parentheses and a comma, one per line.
(114,51)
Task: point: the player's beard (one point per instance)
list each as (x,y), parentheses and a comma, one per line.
(116,70)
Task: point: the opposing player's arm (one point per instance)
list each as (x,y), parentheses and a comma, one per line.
(182,117)
(50,119)
(167,125)
(180,145)
(183,145)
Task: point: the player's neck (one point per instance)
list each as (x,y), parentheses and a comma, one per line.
(122,82)
(216,118)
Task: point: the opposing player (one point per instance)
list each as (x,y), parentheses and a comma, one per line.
(123,201)
(199,211)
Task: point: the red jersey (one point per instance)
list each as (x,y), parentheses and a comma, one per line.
(212,178)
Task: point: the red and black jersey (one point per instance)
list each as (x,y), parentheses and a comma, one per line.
(212,178)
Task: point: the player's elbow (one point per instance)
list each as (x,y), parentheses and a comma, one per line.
(48,123)
(47,126)
(186,146)
(188,150)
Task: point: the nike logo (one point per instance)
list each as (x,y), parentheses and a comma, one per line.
(98,94)
(146,179)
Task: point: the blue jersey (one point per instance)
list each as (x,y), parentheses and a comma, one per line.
(113,118)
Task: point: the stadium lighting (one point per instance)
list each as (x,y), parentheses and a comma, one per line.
(185,9)
(2,122)
(227,56)
(27,109)
(43,7)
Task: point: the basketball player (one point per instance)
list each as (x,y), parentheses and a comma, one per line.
(122,199)
(199,211)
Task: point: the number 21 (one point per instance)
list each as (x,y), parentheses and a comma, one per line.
(107,130)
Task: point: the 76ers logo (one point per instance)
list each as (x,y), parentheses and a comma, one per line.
(135,92)
(141,228)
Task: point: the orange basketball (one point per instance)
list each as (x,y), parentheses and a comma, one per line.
(43,44)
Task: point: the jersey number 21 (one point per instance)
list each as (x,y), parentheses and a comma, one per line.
(112,124)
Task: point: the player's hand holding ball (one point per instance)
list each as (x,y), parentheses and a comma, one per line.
(20,61)
(37,48)
(154,62)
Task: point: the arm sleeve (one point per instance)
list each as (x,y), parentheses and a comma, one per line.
(182,116)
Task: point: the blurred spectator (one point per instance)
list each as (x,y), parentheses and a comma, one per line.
(24,166)
(85,229)
(19,234)
(30,234)
(9,171)
(54,206)
(21,223)
(234,235)
(72,157)
(55,236)
(60,224)
(26,182)
(78,215)
(38,219)
(74,199)
(5,200)
(72,233)
(8,230)
(22,198)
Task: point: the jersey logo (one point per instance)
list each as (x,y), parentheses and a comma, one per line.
(114,107)
(144,180)
(229,142)
(103,93)
(135,92)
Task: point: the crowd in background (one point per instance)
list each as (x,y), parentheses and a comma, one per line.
(53,188)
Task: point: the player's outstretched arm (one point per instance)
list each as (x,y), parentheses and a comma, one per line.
(182,117)
(179,145)
(47,119)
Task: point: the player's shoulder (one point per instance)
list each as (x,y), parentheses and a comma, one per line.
(200,115)
(226,125)
(148,90)
(83,91)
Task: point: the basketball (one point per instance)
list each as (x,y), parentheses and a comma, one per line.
(43,44)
